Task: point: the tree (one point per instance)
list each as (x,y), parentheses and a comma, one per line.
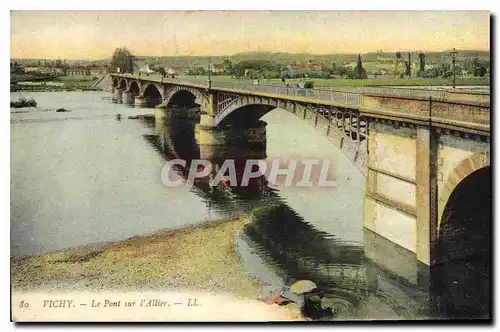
(123,59)
(421,57)
(227,66)
(342,71)
(408,65)
(479,68)
(197,71)
(480,71)
(162,71)
(255,65)
(360,71)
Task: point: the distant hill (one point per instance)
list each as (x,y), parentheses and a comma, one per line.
(282,58)
(287,58)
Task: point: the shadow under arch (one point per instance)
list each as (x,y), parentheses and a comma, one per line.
(461,274)
(244,116)
(152,95)
(182,98)
(134,87)
(122,84)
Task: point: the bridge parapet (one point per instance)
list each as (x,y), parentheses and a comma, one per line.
(466,111)
(465,116)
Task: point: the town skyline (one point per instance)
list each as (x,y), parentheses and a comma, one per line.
(93,35)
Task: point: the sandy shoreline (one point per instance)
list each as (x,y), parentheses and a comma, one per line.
(200,259)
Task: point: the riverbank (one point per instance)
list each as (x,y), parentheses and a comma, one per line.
(194,259)
(62,83)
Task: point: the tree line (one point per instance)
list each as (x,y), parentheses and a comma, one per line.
(124,61)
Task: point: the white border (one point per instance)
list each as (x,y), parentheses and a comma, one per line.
(184,5)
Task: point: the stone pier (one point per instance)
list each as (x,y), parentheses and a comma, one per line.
(229,135)
(117,95)
(141,101)
(128,97)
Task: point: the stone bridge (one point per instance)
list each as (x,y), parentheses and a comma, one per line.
(425,154)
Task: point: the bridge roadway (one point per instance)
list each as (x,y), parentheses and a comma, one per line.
(339,94)
(419,151)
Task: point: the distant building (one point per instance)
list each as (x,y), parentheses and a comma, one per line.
(145,70)
(98,70)
(351,64)
(52,71)
(178,70)
(32,70)
(77,71)
(301,70)
(382,60)
(217,68)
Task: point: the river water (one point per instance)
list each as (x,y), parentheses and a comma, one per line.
(83,177)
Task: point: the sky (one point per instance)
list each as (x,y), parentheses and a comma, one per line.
(95,34)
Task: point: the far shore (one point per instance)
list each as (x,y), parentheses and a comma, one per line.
(193,259)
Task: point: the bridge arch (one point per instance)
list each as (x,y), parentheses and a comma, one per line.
(184,96)
(461,274)
(244,115)
(122,84)
(134,87)
(152,94)
(461,271)
(181,98)
(115,82)
(468,166)
(344,132)
(152,90)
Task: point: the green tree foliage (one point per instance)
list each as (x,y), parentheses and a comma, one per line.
(256,65)
(228,66)
(360,71)
(479,67)
(197,71)
(123,59)
(65,67)
(421,61)
(342,71)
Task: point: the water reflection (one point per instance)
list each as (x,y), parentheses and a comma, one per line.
(278,245)
(176,139)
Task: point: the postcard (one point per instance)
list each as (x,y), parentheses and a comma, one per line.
(250,166)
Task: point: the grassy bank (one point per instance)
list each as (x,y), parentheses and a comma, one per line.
(201,259)
(58,83)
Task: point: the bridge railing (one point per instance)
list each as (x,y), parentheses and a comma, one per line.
(406,92)
(351,98)
(344,95)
